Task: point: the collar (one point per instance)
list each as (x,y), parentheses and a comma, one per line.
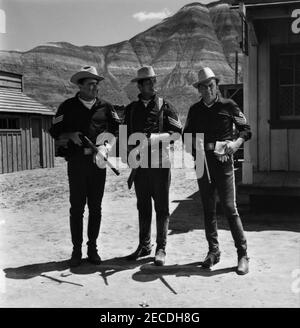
(97,100)
(152,98)
(210,105)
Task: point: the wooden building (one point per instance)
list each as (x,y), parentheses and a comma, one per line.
(271,79)
(24,139)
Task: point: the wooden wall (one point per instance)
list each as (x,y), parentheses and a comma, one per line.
(16,146)
(271,149)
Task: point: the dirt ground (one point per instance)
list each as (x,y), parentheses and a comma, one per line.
(35,245)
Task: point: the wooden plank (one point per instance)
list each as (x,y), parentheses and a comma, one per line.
(253,105)
(23,142)
(45,144)
(48,142)
(279,150)
(263,105)
(11,78)
(19,149)
(28,143)
(48,146)
(1,154)
(14,152)
(9,153)
(294,149)
(247,166)
(4,154)
(52,150)
(11,84)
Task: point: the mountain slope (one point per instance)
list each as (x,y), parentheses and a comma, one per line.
(195,36)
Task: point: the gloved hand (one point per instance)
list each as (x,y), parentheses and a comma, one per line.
(232,146)
(223,158)
(100,157)
(103,150)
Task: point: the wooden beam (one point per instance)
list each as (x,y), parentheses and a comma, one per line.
(252,34)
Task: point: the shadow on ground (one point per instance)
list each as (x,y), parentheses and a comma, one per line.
(150,272)
(188,216)
(105,269)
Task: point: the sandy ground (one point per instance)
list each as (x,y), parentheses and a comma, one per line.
(35,245)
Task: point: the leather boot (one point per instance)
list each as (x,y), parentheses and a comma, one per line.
(160,256)
(93,256)
(75,258)
(243,265)
(211,259)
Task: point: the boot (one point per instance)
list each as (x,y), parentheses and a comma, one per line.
(243,265)
(75,258)
(160,256)
(93,256)
(211,259)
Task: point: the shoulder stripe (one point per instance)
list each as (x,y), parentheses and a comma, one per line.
(115,115)
(174,122)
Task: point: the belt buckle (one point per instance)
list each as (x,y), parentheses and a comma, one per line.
(210,146)
(87,151)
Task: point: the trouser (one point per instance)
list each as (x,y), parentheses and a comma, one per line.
(86,183)
(223,182)
(153,183)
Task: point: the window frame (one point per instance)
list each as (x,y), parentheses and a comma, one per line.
(11,117)
(275,52)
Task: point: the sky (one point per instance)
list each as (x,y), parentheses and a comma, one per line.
(25,24)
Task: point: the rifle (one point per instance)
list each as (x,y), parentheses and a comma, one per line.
(95,149)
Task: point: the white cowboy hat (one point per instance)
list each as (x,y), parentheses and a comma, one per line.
(86,72)
(145,72)
(204,75)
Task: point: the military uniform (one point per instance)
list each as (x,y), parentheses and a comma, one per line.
(216,122)
(152,182)
(86,180)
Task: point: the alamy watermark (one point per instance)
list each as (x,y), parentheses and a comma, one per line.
(158,150)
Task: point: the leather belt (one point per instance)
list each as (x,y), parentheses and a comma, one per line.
(209,146)
(87,151)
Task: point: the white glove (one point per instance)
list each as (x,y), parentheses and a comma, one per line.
(223,158)
(103,150)
(100,157)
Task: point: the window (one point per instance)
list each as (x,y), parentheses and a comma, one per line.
(285,86)
(9,123)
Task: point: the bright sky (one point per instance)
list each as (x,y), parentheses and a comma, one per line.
(25,24)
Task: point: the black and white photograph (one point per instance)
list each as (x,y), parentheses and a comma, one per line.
(149,156)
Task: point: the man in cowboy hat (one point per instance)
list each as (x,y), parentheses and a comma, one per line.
(158,120)
(214,116)
(85,115)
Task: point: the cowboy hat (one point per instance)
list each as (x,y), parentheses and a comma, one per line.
(86,72)
(204,75)
(143,73)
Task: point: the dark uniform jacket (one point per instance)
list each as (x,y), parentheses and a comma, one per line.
(217,122)
(73,116)
(139,118)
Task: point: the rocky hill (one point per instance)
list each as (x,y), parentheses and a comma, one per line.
(177,47)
